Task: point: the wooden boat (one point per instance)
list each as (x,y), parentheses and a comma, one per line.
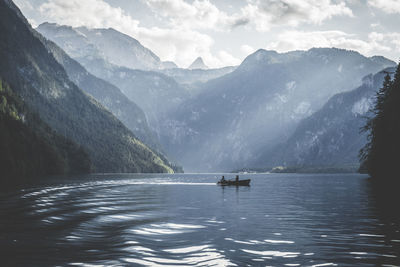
(234,182)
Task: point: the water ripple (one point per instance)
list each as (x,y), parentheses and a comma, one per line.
(189,221)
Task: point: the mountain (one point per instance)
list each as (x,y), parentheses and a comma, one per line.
(108,95)
(381,60)
(168,65)
(154,92)
(259,105)
(30,148)
(42,83)
(188,77)
(331,136)
(198,63)
(115,47)
(121,49)
(87,46)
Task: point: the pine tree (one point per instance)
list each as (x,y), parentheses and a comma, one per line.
(379,157)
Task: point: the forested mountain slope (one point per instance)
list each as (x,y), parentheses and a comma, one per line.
(29,148)
(108,95)
(43,84)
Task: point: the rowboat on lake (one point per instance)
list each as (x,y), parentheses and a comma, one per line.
(235,182)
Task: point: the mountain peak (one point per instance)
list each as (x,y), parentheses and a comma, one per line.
(198,64)
(48,24)
(382,60)
(168,65)
(118,48)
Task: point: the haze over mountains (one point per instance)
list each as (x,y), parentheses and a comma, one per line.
(143,83)
(193,78)
(237,117)
(115,47)
(228,118)
(110,95)
(42,83)
(331,136)
(118,50)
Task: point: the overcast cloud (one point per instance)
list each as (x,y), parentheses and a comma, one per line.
(223,32)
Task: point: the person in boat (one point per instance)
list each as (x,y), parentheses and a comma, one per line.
(237,178)
(223,179)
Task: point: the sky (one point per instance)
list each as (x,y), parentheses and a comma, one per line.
(224,32)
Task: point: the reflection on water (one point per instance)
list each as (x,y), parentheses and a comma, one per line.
(186,220)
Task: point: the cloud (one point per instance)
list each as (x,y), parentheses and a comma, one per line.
(28,7)
(388,6)
(260,14)
(224,56)
(24,4)
(178,44)
(188,25)
(180,13)
(201,14)
(300,40)
(90,13)
(33,23)
(374,25)
(391,39)
(247,49)
(267,13)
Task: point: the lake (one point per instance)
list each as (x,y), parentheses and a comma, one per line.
(187,220)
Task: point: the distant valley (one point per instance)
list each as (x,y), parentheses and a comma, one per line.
(236,118)
(229,118)
(154,88)
(132,112)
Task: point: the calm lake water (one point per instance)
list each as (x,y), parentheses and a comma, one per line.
(185,219)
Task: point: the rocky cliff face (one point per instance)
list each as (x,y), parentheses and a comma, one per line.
(331,136)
